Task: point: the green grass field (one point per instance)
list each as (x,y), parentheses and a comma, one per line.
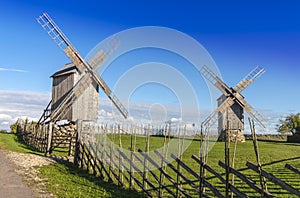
(65,180)
(273,156)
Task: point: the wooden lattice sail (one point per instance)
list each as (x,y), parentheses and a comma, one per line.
(87,72)
(231,104)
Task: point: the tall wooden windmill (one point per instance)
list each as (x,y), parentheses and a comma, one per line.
(67,97)
(231,104)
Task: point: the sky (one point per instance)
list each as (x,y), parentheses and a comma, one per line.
(238,35)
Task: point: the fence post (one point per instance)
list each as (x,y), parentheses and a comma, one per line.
(227,155)
(78,142)
(49,141)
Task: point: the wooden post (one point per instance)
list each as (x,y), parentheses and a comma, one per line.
(161,176)
(111,151)
(178,178)
(132,151)
(145,171)
(121,172)
(201,153)
(78,142)
(232,163)
(227,156)
(262,180)
(49,141)
(131,161)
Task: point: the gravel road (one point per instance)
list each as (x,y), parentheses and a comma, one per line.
(19,176)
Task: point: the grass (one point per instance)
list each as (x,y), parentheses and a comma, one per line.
(273,156)
(10,142)
(66,180)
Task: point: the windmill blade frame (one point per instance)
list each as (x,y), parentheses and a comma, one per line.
(215,80)
(233,94)
(61,40)
(212,118)
(249,78)
(252,112)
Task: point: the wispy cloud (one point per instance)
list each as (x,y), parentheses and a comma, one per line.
(16,104)
(12,70)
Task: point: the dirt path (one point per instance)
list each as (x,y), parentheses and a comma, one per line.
(19,175)
(11,184)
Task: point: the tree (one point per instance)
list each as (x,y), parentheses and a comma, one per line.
(291,124)
(13,127)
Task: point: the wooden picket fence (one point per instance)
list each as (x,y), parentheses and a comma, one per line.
(33,135)
(44,138)
(184,181)
(157,176)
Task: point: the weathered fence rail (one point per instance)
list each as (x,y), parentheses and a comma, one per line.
(155,175)
(47,138)
(160,174)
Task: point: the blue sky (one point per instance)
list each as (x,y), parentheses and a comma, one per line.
(239,35)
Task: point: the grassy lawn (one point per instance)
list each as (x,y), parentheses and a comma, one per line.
(10,142)
(273,156)
(66,180)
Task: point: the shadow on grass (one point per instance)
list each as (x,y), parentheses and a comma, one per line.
(280,142)
(112,189)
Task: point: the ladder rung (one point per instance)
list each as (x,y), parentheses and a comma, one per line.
(51,30)
(45,23)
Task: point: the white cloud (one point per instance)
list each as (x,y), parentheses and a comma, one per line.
(5,117)
(102,112)
(16,104)
(26,104)
(4,123)
(109,114)
(175,120)
(12,70)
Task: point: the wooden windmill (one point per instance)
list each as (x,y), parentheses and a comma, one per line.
(231,104)
(75,96)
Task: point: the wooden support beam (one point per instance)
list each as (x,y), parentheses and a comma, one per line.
(230,186)
(160,169)
(177,172)
(248,181)
(49,140)
(292,168)
(192,172)
(274,179)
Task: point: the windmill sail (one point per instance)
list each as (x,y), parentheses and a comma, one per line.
(215,80)
(84,68)
(233,94)
(245,82)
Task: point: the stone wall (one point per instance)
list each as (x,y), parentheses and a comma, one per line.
(234,135)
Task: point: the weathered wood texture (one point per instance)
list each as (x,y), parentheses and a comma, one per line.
(164,178)
(34,135)
(273,179)
(85,107)
(48,138)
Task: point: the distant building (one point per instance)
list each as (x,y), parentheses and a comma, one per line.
(235,114)
(86,106)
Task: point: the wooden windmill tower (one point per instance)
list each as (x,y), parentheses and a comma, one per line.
(75,86)
(231,103)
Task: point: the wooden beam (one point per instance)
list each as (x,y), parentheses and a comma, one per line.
(274,179)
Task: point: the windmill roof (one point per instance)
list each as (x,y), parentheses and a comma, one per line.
(66,69)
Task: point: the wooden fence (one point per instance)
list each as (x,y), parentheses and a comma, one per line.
(156,175)
(47,138)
